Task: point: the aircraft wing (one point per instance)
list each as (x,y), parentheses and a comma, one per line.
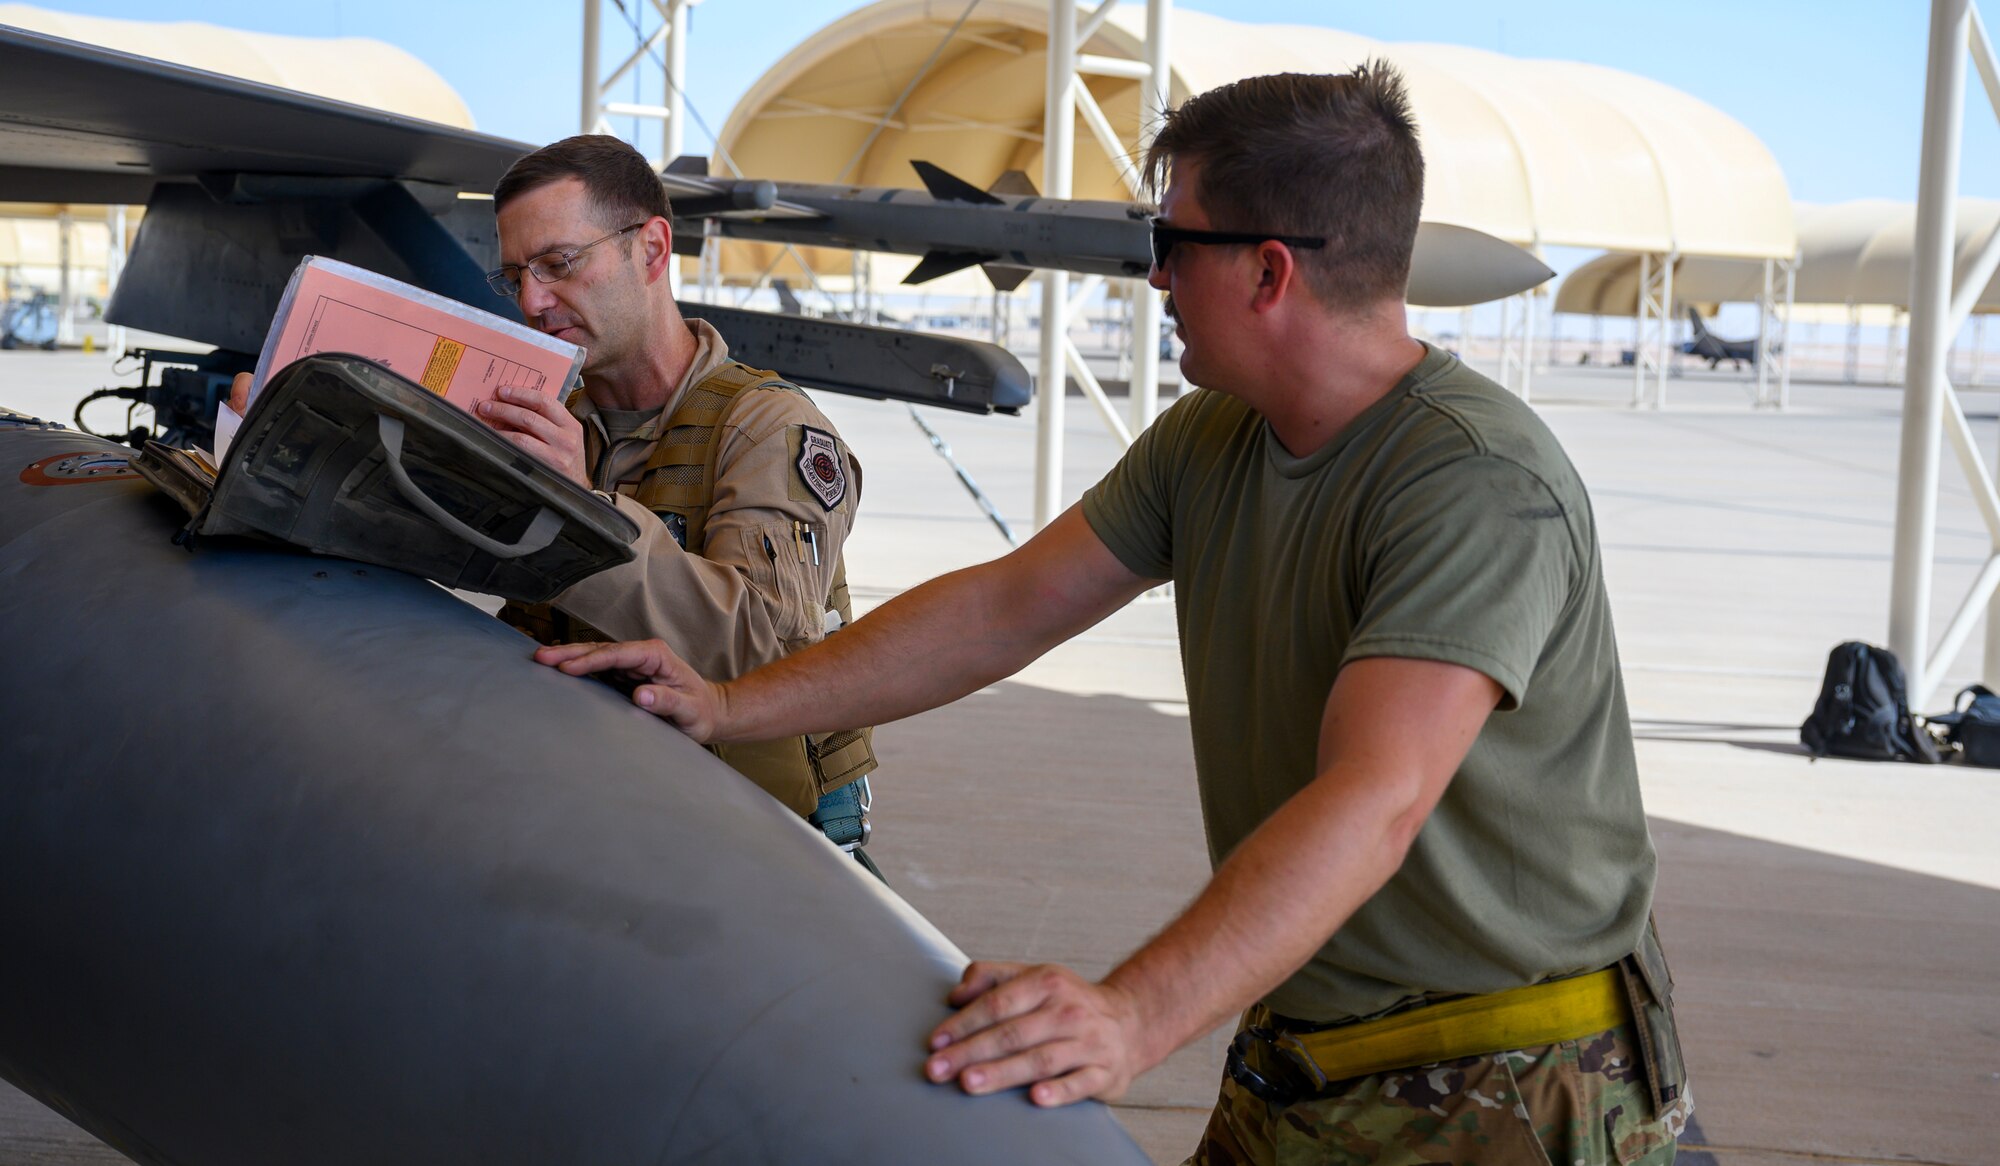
(80,123)
(279,175)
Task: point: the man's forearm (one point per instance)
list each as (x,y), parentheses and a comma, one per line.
(1393,733)
(938,642)
(926,647)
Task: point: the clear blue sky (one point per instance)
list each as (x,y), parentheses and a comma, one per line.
(1834,87)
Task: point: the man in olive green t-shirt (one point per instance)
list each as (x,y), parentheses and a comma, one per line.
(1441,524)
(1410,734)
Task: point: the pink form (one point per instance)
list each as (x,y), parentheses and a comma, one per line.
(462,361)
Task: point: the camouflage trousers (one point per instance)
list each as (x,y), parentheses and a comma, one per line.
(1578,1103)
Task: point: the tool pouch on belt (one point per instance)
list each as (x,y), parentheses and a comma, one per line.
(1649,986)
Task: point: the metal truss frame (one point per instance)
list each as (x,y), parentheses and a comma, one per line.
(1942,297)
(664,50)
(1066,100)
(1774,333)
(1517,342)
(1653,328)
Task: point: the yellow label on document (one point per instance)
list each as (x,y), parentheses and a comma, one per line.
(443,364)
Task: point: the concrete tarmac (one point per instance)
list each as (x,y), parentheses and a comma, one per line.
(1834,926)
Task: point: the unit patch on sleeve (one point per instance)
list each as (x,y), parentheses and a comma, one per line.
(820,467)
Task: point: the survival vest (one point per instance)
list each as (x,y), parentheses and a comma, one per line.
(678,483)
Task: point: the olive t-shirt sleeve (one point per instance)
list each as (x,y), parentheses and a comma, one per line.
(1131,508)
(1471,564)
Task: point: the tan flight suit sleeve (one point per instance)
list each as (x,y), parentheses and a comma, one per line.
(755,593)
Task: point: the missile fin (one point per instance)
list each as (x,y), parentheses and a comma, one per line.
(1014,182)
(936,263)
(788,300)
(695,164)
(1005,277)
(948,186)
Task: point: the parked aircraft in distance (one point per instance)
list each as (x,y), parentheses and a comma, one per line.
(1714,349)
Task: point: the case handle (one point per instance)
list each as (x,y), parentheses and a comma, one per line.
(540,533)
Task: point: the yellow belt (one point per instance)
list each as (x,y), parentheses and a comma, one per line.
(1520,1018)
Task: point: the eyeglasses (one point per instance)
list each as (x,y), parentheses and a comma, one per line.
(553,267)
(1166,238)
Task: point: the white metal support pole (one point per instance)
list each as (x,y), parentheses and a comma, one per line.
(673,138)
(1529,308)
(673,131)
(1989,671)
(66,282)
(710,266)
(1051,383)
(1852,374)
(1930,287)
(1154,94)
(1667,264)
(1783,353)
(114,270)
(587,120)
(664,49)
(1641,351)
(1894,364)
(1763,350)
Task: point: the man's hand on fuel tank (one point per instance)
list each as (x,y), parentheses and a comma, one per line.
(667,687)
(539,424)
(1039,1025)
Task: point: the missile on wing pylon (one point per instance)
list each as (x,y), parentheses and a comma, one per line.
(1008,230)
(952,223)
(882,363)
(307,862)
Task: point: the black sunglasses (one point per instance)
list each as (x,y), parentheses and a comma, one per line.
(1165,239)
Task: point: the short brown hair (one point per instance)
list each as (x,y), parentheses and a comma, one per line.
(621,185)
(1333,156)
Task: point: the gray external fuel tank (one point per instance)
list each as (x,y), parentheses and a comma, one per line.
(307,862)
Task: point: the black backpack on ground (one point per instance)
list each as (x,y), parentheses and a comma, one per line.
(1864,710)
(1975,727)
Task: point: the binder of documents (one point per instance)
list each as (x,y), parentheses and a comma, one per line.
(341,456)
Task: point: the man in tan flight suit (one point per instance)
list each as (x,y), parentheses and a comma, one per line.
(742,491)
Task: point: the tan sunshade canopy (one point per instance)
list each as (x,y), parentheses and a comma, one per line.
(1534,152)
(1857,253)
(38,243)
(351,69)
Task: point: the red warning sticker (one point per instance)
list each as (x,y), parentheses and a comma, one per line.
(70,469)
